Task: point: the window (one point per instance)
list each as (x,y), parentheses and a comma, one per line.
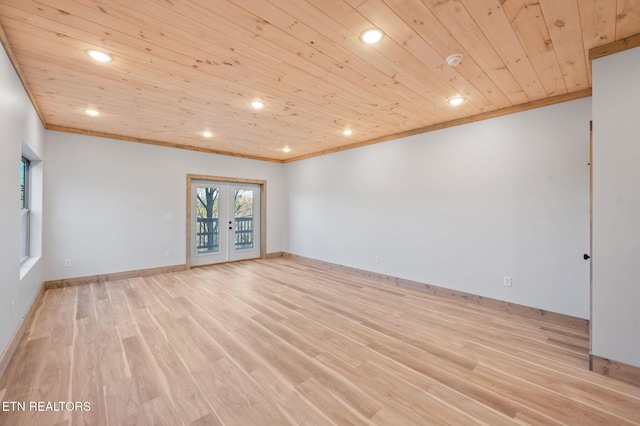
(25,171)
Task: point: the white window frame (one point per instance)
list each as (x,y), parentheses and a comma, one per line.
(25,211)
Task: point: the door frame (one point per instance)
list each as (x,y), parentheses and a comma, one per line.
(263,209)
(590,241)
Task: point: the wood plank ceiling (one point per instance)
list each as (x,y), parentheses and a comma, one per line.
(182,67)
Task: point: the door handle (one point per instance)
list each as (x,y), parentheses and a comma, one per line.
(586,256)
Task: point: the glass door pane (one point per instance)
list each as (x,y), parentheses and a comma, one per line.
(244,212)
(244,237)
(207,220)
(209,234)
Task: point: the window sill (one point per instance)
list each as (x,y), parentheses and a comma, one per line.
(26,266)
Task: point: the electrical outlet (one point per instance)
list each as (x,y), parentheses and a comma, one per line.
(13,305)
(377,258)
(168,216)
(67,262)
(167,253)
(507,281)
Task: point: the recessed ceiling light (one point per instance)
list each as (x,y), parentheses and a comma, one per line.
(207,134)
(92,112)
(371,36)
(286,149)
(257,104)
(456,101)
(347,132)
(99,56)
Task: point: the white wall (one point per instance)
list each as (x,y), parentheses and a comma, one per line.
(616,210)
(459,208)
(19,124)
(106,201)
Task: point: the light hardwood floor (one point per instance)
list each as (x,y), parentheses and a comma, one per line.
(275,342)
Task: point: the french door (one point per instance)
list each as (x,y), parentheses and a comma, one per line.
(225,221)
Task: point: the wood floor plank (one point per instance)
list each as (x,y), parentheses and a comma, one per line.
(58,303)
(291,364)
(228,343)
(332,405)
(381,385)
(161,412)
(145,376)
(567,385)
(297,408)
(189,402)
(209,419)
(190,342)
(122,405)
(558,406)
(284,342)
(300,342)
(235,397)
